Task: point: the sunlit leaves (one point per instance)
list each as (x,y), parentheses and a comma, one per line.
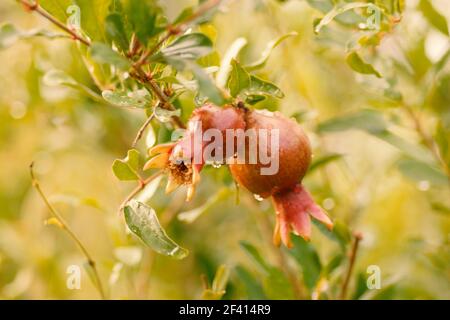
(206,85)
(219,284)
(128,99)
(103,53)
(307,257)
(253,287)
(9,35)
(276,285)
(187,47)
(358,65)
(143,222)
(191,215)
(129,255)
(242,84)
(420,171)
(368,120)
(115,30)
(145,18)
(324,160)
(165,115)
(261,62)
(337,11)
(239,79)
(339,234)
(127,169)
(434,18)
(93,14)
(58,77)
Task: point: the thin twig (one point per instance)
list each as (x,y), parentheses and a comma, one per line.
(358,238)
(65,226)
(430,143)
(139,188)
(177,29)
(142,77)
(140,133)
(34,6)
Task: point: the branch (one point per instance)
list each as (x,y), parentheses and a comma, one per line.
(177,29)
(430,143)
(138,189)
(358,237)
(141,130)
(35,7)
(69,231)
(142,76)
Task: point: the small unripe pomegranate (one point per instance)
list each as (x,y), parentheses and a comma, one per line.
(293,204)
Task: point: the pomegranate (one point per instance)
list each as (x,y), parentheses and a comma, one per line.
(293,204)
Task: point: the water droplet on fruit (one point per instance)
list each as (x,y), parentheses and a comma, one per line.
(258,197)
(216,164)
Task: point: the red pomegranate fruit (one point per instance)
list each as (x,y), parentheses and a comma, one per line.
(293,204)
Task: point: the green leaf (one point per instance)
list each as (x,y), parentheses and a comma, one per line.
(433,16)
(143,222)
(9,35)
(340,233)
(358,65)
(306,256)
(253,287)
(93,14)
(191,215)
(130,255)
(225,65)
(188,47)
(103,53)
(324,160)
(261,62)
(334,263)
(128,99)
(239,79)
(276,285)
(263,88)
(58,77)
(253,253)
(330,16)
(413,150)
(372,121)
(219,284)
(165,115)
(368,120)
(57,8)
(115,31)
(184,14)
(149,191)
(206,85)
(420,171)
(146,18)
(126,169)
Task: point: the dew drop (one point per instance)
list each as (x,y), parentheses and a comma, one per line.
(258,197)
(216,164)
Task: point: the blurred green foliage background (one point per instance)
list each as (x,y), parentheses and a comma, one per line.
(372,185)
